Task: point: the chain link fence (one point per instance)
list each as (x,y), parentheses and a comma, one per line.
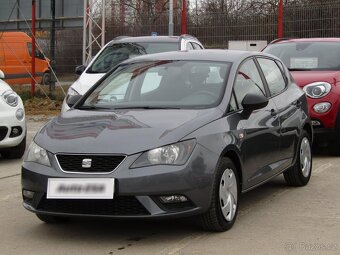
(214,30)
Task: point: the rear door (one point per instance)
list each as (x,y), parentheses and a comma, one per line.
(286,99)
(261,137)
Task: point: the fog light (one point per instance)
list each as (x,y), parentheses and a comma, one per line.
(28,194)
(173,199)
(15,131)
(20,114)
(316,123)
(322,107)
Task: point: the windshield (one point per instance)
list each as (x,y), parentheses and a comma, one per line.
(161,84)
(307,55)
(118,52)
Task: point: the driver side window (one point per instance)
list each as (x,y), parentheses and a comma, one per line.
(248,80)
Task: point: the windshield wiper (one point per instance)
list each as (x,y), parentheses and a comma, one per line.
(299,69)
(147,107)
(92,107)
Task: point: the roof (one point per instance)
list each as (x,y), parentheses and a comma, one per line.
(329,39)
(204,55)
(135,39)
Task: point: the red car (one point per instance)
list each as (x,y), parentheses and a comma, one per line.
(315,65)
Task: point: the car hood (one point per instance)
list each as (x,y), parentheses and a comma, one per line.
(303,78)
(121,131)
(86,81)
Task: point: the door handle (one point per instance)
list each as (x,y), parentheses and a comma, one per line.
(273,112)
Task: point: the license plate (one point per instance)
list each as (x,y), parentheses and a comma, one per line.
(80,188)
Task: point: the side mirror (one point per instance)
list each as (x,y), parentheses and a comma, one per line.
(2,75)
(72,100)
(80,69)
(253,102)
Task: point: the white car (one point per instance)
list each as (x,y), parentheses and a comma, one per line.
(122,48)
(12,122)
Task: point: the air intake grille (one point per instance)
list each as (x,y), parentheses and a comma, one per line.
(98,163)
(3,132)
(119,206)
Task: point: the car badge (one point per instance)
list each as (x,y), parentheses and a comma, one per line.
(86,163)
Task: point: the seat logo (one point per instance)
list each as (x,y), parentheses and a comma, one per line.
(87,162)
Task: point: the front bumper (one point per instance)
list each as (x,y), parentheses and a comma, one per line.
(137,191)
(8,121)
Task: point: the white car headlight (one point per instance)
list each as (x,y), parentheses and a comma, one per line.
(317,89)
(173,154)
(37,154)
(11,98)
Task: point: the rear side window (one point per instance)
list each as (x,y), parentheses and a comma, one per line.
(273,75)
(248,80)
(196,46)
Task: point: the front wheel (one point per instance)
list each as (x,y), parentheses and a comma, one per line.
(224,203)
(300,173)
(46,78)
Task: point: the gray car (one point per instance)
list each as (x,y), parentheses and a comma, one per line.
(171,135)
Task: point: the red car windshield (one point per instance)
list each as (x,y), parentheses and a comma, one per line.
(307,56)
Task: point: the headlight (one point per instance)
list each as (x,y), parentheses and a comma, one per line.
(11,98)
(37,154)
(317,89)
(174,154)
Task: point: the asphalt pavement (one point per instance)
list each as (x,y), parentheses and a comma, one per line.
(272,219)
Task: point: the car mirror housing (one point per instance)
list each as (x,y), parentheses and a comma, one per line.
(253,102)
(72,100)
(80,69)
(2,75)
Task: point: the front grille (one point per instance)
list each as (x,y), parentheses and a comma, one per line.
(3,132)
(99,163)
(119,206)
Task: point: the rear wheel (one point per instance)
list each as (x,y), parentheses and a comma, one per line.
(224,203)
(300,173)
(51,219)
(15,152)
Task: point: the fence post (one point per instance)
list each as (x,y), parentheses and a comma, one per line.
(33,50)
(280,20)
(184,16)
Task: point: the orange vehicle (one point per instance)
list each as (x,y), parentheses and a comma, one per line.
(16,59)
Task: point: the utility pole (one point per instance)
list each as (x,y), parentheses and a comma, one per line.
(33,49)
(52,47)
(280,20)
(93,32)
(171,17)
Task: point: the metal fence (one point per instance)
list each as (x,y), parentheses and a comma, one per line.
(213,29)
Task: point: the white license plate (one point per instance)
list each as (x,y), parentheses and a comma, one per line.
(80,188)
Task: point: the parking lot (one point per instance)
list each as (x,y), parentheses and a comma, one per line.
(273,219)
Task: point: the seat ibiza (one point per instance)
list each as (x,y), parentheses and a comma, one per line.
(171,135)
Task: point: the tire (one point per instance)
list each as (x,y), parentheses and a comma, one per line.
(300,173)
(215,219)
(335,144)
(46,78)
(15,152)
(51,219)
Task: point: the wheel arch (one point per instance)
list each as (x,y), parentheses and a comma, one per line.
(308,128)
(235,157)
